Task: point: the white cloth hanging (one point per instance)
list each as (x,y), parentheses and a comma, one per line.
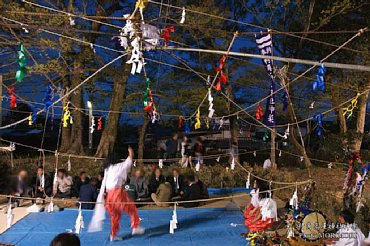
(294,200)
(210,103)
(160,163)
(9,215)
(99,211)
(232,165)
(182,21)
(69,165)
(248,183)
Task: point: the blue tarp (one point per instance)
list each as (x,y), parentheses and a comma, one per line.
(225,191)
(196,227)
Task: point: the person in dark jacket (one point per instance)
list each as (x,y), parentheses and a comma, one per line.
(177,183)
(78,181)
(203,188)
(155,180)
(88,193)
(43,186)
(140,184)
(191,192)
(172,146)
(17,184)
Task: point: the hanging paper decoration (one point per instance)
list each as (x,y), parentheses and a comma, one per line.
(148,99)
(140,4)
(294,200)
(264,43)
(136,59)
(349,110)
(222,78)
(166,34)
(92,47)
(330,165)
(30,120)
(67,118)
(92,125)
(100,123)
(79,225)
(312,105)
(280,153)
(319,124)
(207,123)
(13,98)
(319,84)
(69,164)
(22,64)
(221,123)
(265,136)
(187,128)
(348,184)
(197,120)
(287,131)
(9,215)
(254,153)
(248,183)
(47,99)
(71,20)
(182,21)
(210,104)
(155,116)
(259,113)
(160,163)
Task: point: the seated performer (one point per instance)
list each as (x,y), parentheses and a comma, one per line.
(117,199)
(43,186)
(262,211)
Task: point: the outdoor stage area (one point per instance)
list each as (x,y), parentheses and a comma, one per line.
(198,226)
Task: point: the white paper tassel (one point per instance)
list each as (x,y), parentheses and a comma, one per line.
(172,230)
(286,134)
(71,20)
(134,163)
(301,158)
(248,183)
(92,48)
(221,123)
(254,153)
(312,105)
(50,207)
(55,181)
(232,166)
(280,153)
(294,200)
(218,159)
(210,104)
(160,163)
(9,216)
(92,125)
(270,189)
(79,225)
(330,165)
(69,164)
(25,30)
(183,16)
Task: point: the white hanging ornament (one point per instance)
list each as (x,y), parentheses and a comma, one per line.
(280,153)
(221,123)
(254,153)
(134,163)
(218,159)
(9,215)
(270,189)
(136,59)
(160,163)
(312,105)
(210,103)
(172,229)
(55,181)
(71,20)
(69,165)
(50,207)
(174,217)
(232,165)
(25,30)
(12,146)
(301,158)
(248,183)
(294,200)
(79,225)
(182,21)
(92,47)
(286,134)
(330,165)
(92,125)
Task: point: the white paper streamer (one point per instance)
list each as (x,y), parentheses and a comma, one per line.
(254,153)
(9,215)
(69,165)
(210,103)
(218,159)
(232,165)
(294,200)
(92,125)
(248,183)
(330,165)
(182,21)
(79,225)
(312,105)
(197,166)
(160,163)
(286,134)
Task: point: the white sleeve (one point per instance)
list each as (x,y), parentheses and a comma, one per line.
(126,165)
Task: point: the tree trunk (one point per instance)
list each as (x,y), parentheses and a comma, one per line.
(76,99)
(141,144)
(360,122)
(108,138)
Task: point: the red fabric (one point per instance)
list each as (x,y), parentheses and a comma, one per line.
(100,123)
(180,122)
(259,113)
(122,203)
(13,98)
(167,34)
(222,79)
(222,63)
(218,86)
(257,226)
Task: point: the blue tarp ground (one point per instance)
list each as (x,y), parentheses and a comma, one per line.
(225,191)
(196,227)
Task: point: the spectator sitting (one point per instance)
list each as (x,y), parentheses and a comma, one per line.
(43,186)
(17,185)
(191,192)
(172,146)
(88,193)
(177,183)
(203,188)
(139,182)
(163,194)
(65,239)
(100,180)
(78,181)
(155,180)
(63,185)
